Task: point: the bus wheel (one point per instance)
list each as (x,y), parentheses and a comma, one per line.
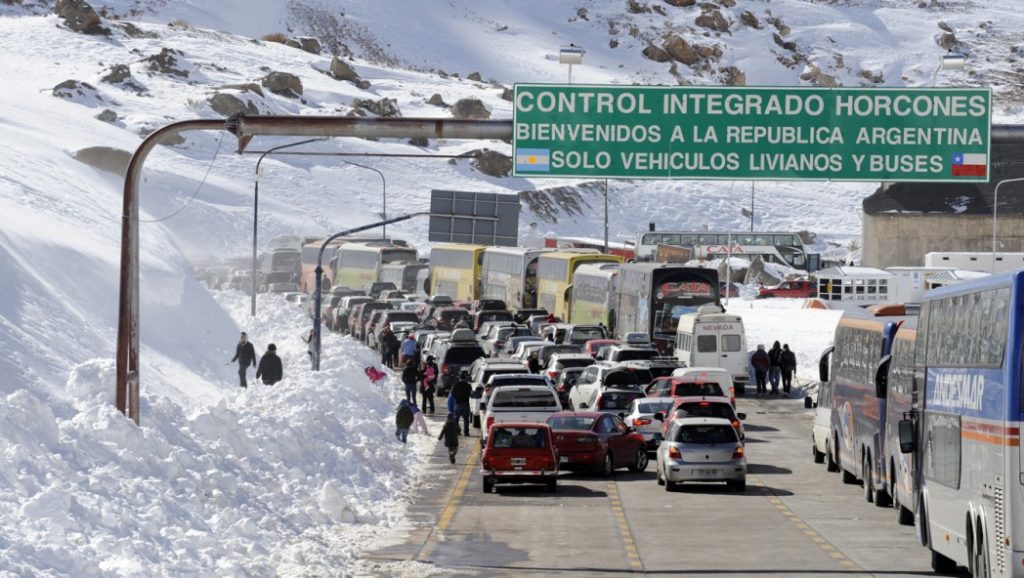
(979,559)
(819,458)
(848,478)
(941,564)
(830,459)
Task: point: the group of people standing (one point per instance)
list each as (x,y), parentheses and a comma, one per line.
(772,366)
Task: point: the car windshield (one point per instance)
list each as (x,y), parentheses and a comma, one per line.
(519,438)
(636,354)
(576,362)
(571,422)
(706,434)
(518,369)
(403,316)
(653,407)
(463,355)
(582,334)
(450,314)
(704,409)
(623,377)
(617,399)
(696,388)
(526,399)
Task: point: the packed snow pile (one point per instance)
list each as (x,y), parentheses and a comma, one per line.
(269,481)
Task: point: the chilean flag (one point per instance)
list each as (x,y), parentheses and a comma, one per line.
(969,164)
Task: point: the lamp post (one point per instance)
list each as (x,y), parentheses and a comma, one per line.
(256,209)
(384,185)
(995,210)
(570,55)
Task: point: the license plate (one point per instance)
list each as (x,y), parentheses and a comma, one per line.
(518,461)
(563,459)
(706,472)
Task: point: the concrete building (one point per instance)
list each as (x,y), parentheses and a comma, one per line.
(903,221)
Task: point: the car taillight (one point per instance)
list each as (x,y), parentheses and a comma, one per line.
(736,424)
(444,368)
(489,423)
(674,453)
(553,374)
(486,463)
(641,421)
(737,453)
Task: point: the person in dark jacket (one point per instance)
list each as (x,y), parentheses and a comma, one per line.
(403,421)
(270,368)
(461,392)
(388,346)
(428,377)
(761,363)
(410,375)
(450,435)
(533,363)
(775,366)
(245,355)
(788,364)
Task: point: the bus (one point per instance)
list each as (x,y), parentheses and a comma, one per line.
(455,271)
(405,276)
(624,250)
(594,290)
(855,405)
(310,250)
(510,274)
(772,246)
(965,437)
(359,264)
(554,277)
(901,399)
(652,297)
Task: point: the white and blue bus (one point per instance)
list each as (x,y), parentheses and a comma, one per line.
(966,436)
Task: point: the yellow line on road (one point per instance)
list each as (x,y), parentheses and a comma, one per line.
(460,489)
(628,541)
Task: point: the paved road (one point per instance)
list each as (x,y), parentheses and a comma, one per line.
(795,519)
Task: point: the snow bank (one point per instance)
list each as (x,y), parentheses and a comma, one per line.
(269,481)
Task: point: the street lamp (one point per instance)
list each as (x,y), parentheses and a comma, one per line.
(570,55)
(256,208)
(995,209)
(384,184)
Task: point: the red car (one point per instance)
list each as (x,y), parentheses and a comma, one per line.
(703,406)
(799,289)
(593,440)
(519,453)
(591,347)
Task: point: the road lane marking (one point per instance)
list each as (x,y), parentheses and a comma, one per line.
(460,489)
(632,557)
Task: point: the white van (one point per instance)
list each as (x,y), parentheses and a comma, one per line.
(712,338)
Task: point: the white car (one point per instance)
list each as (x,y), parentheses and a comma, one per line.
(719,375)
(521,404)
(641,418)
(702,449)
(600,376)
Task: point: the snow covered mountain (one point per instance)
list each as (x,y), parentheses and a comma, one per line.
(76,104)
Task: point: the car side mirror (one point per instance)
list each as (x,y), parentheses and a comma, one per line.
(908,443)
(809,403)
(882,377)
(659,416)
(742,416)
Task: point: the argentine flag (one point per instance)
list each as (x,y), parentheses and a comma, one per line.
(533,160)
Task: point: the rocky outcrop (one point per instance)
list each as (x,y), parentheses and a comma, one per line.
(712,19)
(107,116)
(681,3)
(306,43)
(474,76)
(815,76)
(168,61)
(342,70)
(732,76)
(228,105)
(748,18)
(491,163)
(656,54)
(436,100)
(283,84)
(385,107)
(681,50)
(470,108)
(117,74)
(78,91)
(79,16)
(946,40)
(108,159)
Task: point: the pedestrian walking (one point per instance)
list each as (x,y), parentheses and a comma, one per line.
(775,366)
(788,364)
(403,421)
(270,368)
(310,345)
(450,435)
(428,379)
(388,346)
(410,375)
(407,350)
(245,355)
(461,392)
(762,363)
(418,423)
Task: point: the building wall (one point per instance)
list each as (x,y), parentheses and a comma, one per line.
(902,240)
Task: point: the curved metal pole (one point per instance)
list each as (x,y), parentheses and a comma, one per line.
(256,208)
(384,214)
(128,304)
(995,210)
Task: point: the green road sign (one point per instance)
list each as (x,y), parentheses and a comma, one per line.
(686,132)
